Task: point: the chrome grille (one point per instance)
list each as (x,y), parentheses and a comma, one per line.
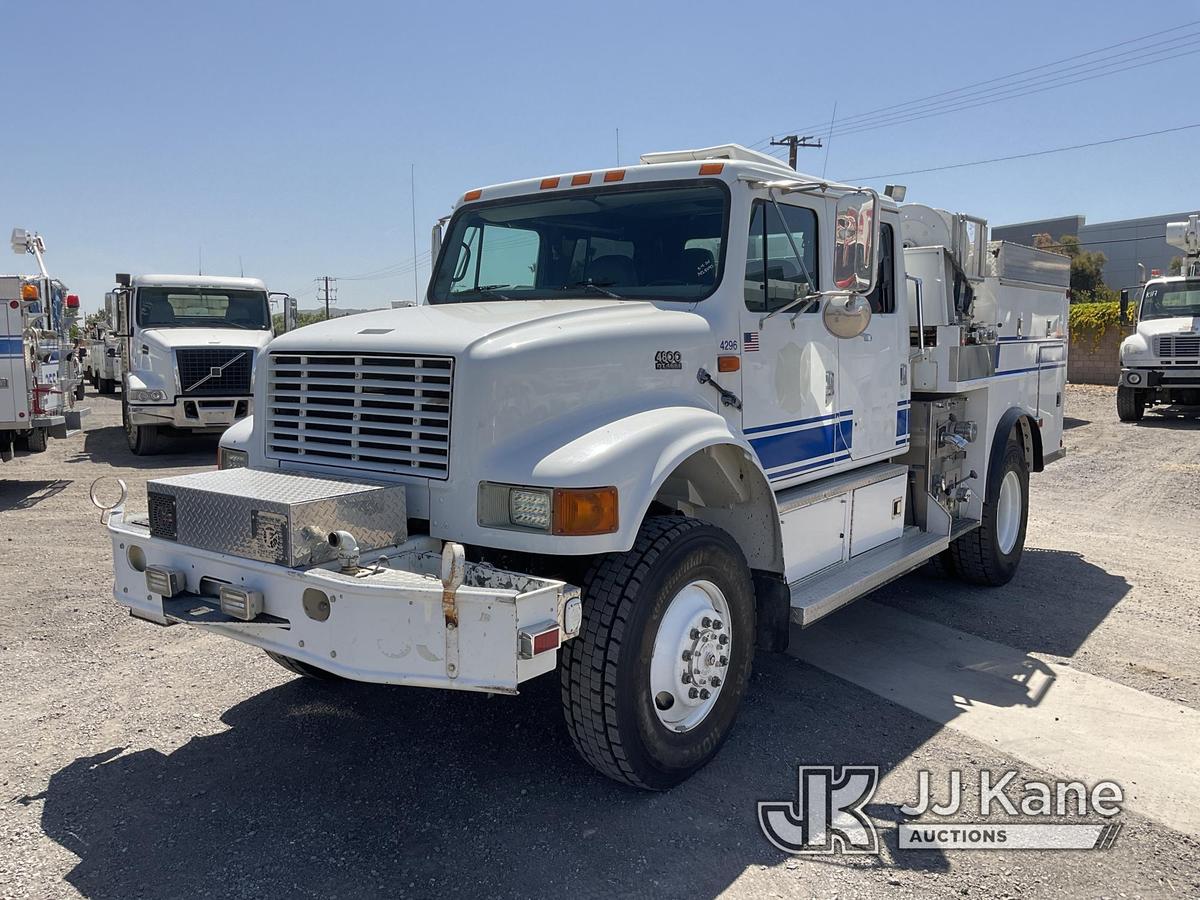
(1177,345)
(373,411)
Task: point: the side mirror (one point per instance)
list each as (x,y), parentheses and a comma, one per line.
(290,313)
(1123,316)
(435,243)
(856,242)
(846,315)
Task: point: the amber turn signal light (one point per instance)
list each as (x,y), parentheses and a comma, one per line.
(583,511)
(728,363)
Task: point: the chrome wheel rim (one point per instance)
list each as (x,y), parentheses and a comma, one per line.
(1008,512)
(691,655)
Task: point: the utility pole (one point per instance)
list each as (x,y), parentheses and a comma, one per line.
(328,290)
(792,141)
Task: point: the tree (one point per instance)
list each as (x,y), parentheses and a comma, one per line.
(1087,269)
(1175,267)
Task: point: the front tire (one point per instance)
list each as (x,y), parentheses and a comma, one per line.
(143,440)
(37,441)
(652,685)
(990,554)
(1131,404)
(296,667)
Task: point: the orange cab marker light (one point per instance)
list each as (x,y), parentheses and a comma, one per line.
(728,363)
(584,511)
(473,195)
(548,183)
(615,175)
(585,178)
(712,168)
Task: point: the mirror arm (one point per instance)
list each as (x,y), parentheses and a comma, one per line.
(917,284)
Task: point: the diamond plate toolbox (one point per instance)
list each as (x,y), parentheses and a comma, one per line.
(275,517)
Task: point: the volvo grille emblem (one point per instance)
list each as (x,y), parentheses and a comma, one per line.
(216,371)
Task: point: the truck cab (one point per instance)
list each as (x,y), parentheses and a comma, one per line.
(647,420)
(187,349)
(1160,361)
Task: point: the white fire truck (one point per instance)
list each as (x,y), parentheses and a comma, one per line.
(1160,362)
(647,419)
(187,350)
(40,378)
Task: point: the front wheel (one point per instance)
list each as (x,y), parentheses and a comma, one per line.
(79,389)
(143,440)
(652,685)
(303,669)
(1131,404)
(37,440)
(989,555)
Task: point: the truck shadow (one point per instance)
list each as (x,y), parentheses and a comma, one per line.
(27,494)
(375,791)
(107,446)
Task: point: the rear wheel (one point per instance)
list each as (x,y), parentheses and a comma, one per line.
(106,385)
(296,667)
(652,685)
(1131,404)
(79,389)
(989,555)
(37,440)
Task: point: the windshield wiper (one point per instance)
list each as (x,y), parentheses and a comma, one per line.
(492,290)
(600,288)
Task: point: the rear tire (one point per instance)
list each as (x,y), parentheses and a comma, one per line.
(106,385)
(79,389)
(1131,404)
(645,645)
(990,554)
(296,667)
(37,440)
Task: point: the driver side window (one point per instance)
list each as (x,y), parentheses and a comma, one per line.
(775,277)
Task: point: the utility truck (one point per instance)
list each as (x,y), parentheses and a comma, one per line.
(1160,361)
(40,378)
(102,356)
(647,419)
(187,345)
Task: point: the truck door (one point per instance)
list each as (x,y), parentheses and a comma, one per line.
(790,409)
(871,365)
(12,353)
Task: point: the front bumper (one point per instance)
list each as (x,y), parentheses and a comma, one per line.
(194,413)
(1167,376)
(385,623)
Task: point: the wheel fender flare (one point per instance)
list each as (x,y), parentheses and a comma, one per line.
(1031,434)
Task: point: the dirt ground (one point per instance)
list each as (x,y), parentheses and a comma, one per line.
(145,762)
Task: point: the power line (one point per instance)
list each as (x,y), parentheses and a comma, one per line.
(329,289)
(996,159)
(891,108)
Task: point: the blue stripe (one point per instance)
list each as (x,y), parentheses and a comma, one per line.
(902,441)
(901,422)
(757,429)
(795,446)
(815,465)
(1025,340)
(12,346)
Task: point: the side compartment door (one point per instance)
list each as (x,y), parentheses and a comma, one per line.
(790,413)
(873,365)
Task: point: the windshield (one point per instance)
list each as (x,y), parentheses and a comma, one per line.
(183,307)
(1176,298)
(644,242)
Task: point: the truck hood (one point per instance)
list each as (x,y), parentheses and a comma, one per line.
(170,338)
(1173,325)
(488,328)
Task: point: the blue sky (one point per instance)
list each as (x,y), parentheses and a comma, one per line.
(144,133)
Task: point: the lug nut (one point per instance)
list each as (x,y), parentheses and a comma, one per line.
(686,677)
(694,634)
(717,626)
(723,639)
(704,694)
(724,660)
(715,681)
(687,654)
(706,622)
(693,693)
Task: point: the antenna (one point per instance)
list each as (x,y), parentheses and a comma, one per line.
(241,268)
(199,259)
(618,146)
(829,139)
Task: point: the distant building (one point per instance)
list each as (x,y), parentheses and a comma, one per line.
(1126,243)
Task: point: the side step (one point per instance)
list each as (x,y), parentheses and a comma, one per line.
(830,589)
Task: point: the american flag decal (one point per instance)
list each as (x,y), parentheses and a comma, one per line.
(750,341)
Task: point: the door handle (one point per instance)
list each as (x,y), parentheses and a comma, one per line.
(828,385)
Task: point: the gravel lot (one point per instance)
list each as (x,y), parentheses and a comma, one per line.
(137,761)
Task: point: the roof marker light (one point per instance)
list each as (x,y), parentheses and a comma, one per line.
(585,178)
(615,175)
(712,168)
(473,195)
(548,183)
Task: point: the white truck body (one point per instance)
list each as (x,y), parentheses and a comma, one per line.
(103,365)
(187,350)
(1160,361)
(560,431)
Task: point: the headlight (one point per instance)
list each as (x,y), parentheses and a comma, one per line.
(232,459)
(1133,378)
(565,511)
(140,396)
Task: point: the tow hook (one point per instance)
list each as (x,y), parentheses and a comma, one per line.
(454,567)
(728,398)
